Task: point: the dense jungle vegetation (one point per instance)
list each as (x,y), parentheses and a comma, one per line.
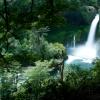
(34,38)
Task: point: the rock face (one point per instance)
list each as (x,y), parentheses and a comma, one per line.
(74,17)
(83,15)
(98,30)
(88,13)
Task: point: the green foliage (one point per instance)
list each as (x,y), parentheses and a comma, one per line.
(27,59)
(9,81)
(55,50)
(32,87)
(96,70)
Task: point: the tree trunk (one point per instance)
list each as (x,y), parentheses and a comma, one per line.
(50,5)
(6,16)
(6,23)
(32,4)
(62,71)
(7,30)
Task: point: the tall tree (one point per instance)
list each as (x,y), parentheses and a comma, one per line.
(6,22)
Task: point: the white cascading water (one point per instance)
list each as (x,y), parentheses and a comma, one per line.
(91,36)
(87,51)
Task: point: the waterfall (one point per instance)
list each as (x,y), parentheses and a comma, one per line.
(91,36)
(86,52)
(89,49)
(74,41)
